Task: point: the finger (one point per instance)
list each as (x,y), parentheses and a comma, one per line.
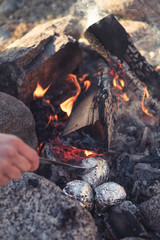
(34,165)
(28,153)
(4,180)
(25,165)
(22,163)
(13,172)
(9,157)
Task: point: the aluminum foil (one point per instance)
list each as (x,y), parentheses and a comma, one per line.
(109,194)
(80,191)
(99,174)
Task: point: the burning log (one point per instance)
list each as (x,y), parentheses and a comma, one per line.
(45,55)
(110,39)
(95,112)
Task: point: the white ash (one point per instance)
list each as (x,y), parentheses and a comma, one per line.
(80,191)
(99,174)
(109,194)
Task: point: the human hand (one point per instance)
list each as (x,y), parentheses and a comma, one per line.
(15,157)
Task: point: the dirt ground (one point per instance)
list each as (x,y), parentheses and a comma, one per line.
(17,17)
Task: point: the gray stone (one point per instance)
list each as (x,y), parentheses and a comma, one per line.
(4,37)
(151,212)
(34,208)
(17,119)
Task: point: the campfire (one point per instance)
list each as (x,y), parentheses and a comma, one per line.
(113,114)
(104,122)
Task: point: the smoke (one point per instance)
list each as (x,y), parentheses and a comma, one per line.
(89,11)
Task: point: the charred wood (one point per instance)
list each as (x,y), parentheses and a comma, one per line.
(45,55)
(110,39)
(96,112)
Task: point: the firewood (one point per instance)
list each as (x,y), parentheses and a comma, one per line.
(46,55)
(95,112)
(110,39)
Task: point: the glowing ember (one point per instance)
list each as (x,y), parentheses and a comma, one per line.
(48,101)
(39,92)
(88,153)
(66,153)
(68,104)
(145,110)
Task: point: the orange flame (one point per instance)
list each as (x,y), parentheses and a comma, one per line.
(157,68)
(115,84)
(87,84)
(125,97)
(83,77)
(120,84)
(39,147)
(88,153)
(68,104)
(51,119)
(145,110)
(39,92)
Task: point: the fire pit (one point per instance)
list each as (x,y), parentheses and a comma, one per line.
(105,121)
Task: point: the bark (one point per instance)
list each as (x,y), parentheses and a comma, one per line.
(110,39)
(95,113)
(46,54)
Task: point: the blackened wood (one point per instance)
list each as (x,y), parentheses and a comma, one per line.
(96,110)
(108,37)
(46,55)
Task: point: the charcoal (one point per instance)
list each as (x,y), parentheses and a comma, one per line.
(144,172)
(120,222)
(153,189)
